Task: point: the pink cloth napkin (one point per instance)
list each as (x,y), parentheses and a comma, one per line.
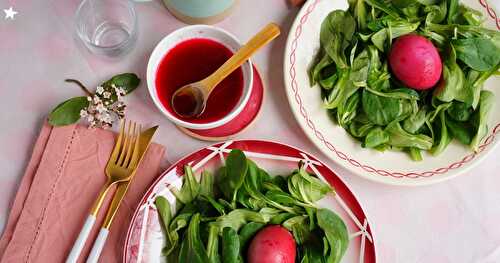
(63,177)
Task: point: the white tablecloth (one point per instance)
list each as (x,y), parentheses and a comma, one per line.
(455,221)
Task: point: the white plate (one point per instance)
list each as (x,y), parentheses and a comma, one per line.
(145,238)
(387,167)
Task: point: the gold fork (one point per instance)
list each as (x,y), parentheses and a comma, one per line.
(120,168)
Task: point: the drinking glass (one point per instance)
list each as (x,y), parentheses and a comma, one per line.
(107,27)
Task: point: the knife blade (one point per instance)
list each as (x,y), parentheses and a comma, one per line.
(144,142)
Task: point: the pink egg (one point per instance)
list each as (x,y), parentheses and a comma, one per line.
(272,244)
(415,61)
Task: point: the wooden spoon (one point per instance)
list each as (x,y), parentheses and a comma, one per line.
(190,100)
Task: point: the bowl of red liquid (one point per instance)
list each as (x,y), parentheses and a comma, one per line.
(188,55)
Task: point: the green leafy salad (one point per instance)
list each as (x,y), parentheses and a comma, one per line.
(217,217)
(382,97)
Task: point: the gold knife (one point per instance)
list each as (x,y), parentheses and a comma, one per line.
(121,190)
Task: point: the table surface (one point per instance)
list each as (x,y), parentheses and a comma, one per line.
(454,221)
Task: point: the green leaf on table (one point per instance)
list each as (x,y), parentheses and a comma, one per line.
(128,81)
(336,234)
(68,112)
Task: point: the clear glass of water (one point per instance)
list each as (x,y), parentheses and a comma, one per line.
(107,27)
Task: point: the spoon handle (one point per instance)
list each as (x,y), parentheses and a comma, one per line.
(267,34)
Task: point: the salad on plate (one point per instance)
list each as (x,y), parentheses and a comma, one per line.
(246,215)
(407,75)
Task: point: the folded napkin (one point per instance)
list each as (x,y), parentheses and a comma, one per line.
(63,177)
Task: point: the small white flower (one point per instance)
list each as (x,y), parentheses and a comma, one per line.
(107,118)
(99,90)
(97,99)
(100,108)
(106,94)
(122,91)
(90,118)
(89,98)
(106,103)
(84,113)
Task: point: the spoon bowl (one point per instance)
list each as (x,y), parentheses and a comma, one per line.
(190,100)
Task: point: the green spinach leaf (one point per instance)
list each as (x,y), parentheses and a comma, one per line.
(441,136)
(452,85)
(247,232)
(190,189)
(230,246)
(400,138)
(382,110)
(213,244)
(192,249)
(336,34)
(336,233)
(480,54)
(376,137)
(459,111)
(481,118)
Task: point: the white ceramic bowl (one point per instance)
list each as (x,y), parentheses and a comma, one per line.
(192,32)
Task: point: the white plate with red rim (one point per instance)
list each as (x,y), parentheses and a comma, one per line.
(388,167)
(145,239)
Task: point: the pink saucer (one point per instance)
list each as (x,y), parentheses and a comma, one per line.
(240,122)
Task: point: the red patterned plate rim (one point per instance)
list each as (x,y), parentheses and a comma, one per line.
(345,159)
(350,203)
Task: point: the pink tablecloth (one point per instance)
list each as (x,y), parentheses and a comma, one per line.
(455,221)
